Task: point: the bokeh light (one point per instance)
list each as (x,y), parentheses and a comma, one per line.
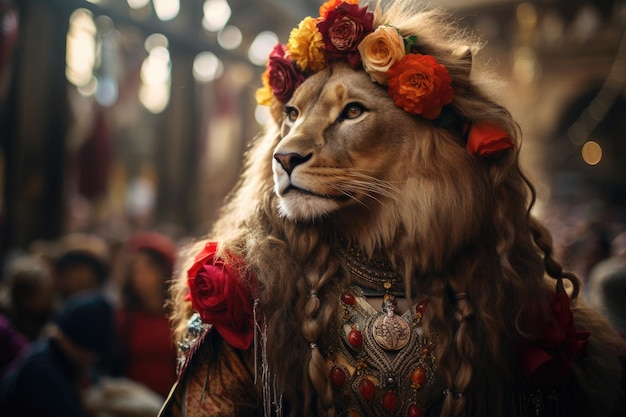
(230,37)
(592,152)
(207,67)
(216,14)
(261,47)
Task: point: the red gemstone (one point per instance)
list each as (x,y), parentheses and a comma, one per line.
(367,389)
(421,307)
(348,298)
(338,376)
(414,411)
(418,376)
(390,401)
(355,338)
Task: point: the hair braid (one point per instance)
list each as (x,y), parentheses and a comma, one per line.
(315,318)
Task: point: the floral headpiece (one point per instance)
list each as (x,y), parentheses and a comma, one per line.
(417,83)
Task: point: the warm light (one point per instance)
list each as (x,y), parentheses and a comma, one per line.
(154,98)
(526,14)
(592,153)
(207,67)
(90,88)
(525,65)
(80,55)
(156,67)
(156,72)
(166,9)
(137,4)
(216,14)
(230,37)
(261,47)
(154,40)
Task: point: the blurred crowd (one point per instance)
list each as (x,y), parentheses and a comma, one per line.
(84,328)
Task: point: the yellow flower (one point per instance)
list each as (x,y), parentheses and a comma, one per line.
(380,50)
(306,45)
(264,94)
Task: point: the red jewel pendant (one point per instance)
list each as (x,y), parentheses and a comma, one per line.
(414,411)
(418,376)
(348,299)
(421,307)
(390,401)
(367,389)
(355,338)
(338,376)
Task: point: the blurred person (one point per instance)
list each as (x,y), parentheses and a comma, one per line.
(606,287)
(26,305)
(147,352)
(12,343)
(27,299)
(591,245)
(82,263)
(52,377)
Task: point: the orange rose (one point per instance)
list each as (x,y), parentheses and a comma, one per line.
(380,50)
(332,5)
(420,85)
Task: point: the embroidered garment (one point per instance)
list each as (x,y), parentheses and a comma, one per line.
(217,383)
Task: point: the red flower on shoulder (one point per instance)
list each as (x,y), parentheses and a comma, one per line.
(222,297)
(548,360)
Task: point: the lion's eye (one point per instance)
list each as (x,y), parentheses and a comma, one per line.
(352,111)
(292,113)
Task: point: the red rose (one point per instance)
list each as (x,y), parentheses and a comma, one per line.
(486,139)
(420,85)
(343,29)
(548,360)
(221,298)
(284,77)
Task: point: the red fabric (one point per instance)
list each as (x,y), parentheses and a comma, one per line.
(150,352)
(548,361)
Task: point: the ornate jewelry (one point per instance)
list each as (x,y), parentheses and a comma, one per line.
(381,363)
(371,274)
(390,331)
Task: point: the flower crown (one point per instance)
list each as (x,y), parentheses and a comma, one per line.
(417,83)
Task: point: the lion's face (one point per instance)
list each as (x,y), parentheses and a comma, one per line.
(343,143)
(381,175)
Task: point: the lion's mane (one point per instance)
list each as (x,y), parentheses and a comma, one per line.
(460,230)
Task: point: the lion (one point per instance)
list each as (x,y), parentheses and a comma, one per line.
(347,202)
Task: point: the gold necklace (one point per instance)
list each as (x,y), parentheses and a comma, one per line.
(375,276)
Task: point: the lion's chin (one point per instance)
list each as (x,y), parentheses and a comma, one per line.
(303,207)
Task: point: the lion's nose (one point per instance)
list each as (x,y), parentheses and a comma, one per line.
(289,161)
